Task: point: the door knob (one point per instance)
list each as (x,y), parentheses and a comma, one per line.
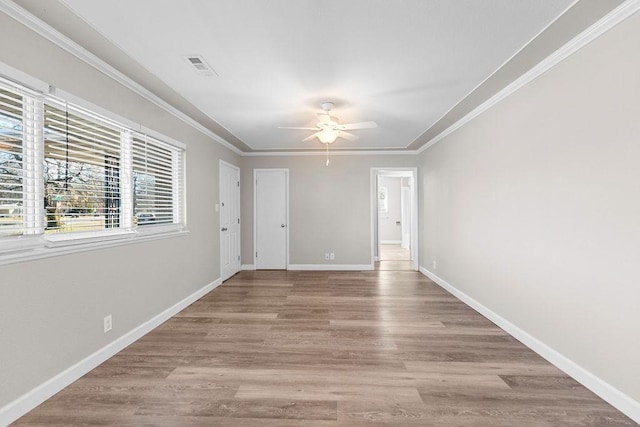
(224,228)
(282,225)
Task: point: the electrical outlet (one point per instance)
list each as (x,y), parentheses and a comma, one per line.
(326,256)
(332,256)
(108,323)
(435,265)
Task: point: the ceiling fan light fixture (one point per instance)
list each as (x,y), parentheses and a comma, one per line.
(328,128)
(327,135)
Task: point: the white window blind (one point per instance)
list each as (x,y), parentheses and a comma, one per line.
(157,183)
(81,170)
(66,170)
(11,163)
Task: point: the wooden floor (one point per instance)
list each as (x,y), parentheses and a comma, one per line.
(394,253)
(394,258)
(325,349)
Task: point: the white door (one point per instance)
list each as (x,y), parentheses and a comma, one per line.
(229,220)
(271,206)
(405,215)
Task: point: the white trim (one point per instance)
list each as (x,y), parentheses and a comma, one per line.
(612,19)
(35,88)
(248,267)
(148,230)
(606,391)
(56,240)
(330,267)
(373,188)
(12,244)
(475,88)
(22,81)
(48,32)
(29,254)
(54,244)
(14,410)
(333,153)
(390,242)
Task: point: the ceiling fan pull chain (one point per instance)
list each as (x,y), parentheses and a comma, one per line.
(327,145)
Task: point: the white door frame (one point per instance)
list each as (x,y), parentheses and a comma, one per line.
(414,210)
(255,210)
(222,162)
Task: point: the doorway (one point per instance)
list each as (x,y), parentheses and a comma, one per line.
(229,220)
(271,219)
(394,211)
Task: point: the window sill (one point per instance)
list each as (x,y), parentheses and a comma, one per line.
(33,248)
(58,240)
(9,245)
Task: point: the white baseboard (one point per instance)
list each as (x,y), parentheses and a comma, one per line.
(248,267)
(330,267)
(390,242)
(606,391)
(14,410)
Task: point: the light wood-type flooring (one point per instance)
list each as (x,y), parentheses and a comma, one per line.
(277,348)
(394,258)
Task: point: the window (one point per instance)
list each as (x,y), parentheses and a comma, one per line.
(81,171)
(11,170)
(20,183)
(157,168)
(69,176)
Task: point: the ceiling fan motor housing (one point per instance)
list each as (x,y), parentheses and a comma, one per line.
(327,106)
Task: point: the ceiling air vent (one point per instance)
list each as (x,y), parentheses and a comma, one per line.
(200,65)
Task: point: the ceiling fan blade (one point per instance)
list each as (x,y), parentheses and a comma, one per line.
(311,136)
(359,125)
(348,136)
(298,128)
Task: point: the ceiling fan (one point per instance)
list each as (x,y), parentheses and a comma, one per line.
(328,129)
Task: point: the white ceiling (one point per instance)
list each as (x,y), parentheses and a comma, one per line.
(403,64)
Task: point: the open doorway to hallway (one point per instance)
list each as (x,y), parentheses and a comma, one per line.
(394,219)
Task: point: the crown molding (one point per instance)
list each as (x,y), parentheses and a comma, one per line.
(331,153)
(515,54)
(619,14)
(612,19)
(56,37)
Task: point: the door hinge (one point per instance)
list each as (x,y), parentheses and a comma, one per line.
(238,183)
(256,254)
(238,257)
(238,220)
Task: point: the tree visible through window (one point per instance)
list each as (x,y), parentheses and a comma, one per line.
(65,169)
(81,172)
(11,163)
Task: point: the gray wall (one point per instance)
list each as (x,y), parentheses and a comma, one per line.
(51,310)
(533,208)
(537,199)
(329,206)
(387,228)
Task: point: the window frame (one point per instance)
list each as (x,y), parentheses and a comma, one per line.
(34,243)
